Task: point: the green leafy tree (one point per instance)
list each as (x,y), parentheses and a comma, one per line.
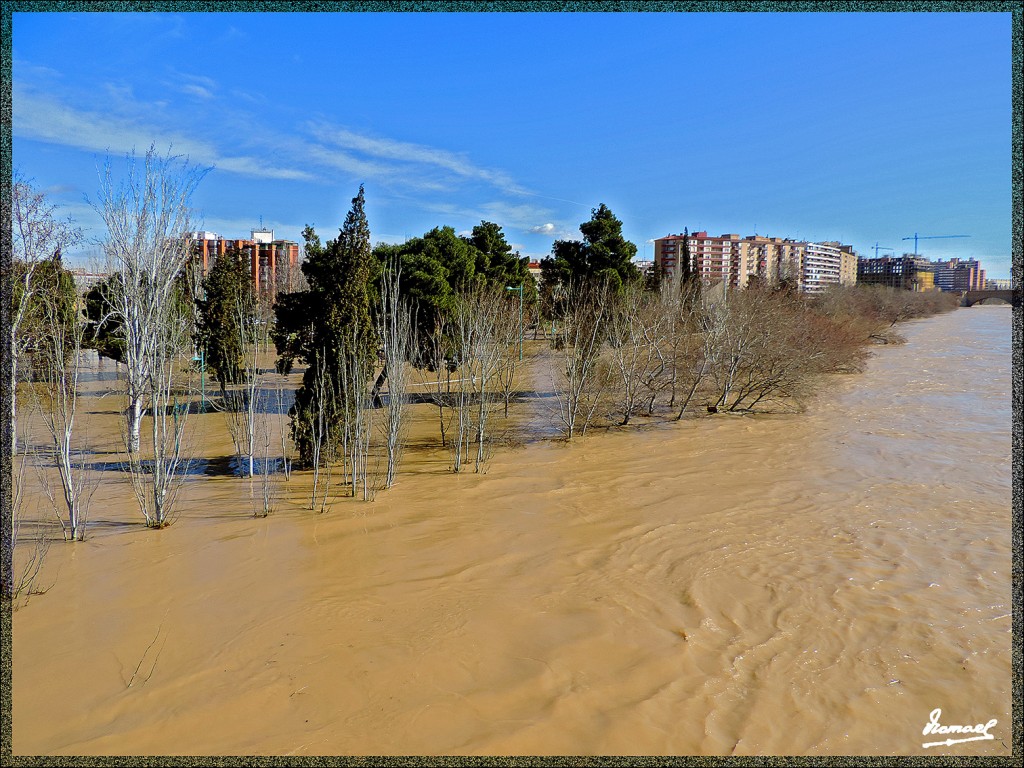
(328,326)
(498,261)
(685,260)
(105,335)
(434,268)
(654,279)
(225,315)
(105,332)
(603,255)
(52,299)
(439,265)
(501,264)
(37,234)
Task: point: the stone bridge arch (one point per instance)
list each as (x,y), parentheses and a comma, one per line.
(970,298)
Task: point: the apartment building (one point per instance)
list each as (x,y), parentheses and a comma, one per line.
(734,260)
(906,272)
(713,259)
(772,259)
(847,265)
(274,264)
(959,275)
(821,267)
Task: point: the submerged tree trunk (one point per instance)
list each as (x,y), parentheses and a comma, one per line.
(377,386)
(134,415)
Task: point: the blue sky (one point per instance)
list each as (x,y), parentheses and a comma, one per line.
(863,128)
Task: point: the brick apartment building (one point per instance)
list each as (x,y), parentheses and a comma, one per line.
(274,264)
(734,260)
(959,275)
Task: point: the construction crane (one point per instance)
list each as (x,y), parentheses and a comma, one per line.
(916,237)
(881,247)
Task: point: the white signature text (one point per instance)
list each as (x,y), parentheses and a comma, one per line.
(934,726)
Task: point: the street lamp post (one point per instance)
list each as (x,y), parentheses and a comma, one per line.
(200,358)
(520,289)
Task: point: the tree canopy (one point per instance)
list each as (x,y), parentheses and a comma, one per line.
(603,254)
(51,298)
(106,337)
(440,264)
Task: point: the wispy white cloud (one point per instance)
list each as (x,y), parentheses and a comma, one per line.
(507,215)
(24,69)
(407,152)
(255,166)
(251,98)
(203,80)
(339,160)
(196,90)
(200,86)
(518,215)
(60,189)
(42,118)
(243,142)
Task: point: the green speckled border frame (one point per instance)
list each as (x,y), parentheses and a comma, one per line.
(13,6)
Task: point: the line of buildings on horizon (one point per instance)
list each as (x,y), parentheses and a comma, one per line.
(729,259)
(734,262)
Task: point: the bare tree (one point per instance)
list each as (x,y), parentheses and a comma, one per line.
(356,395)
(319,434)
(57,361)
(245,411)
(462,323)
(692,339)
(288,277)
(435,371)
(269,478)
(37,234)
(19,573)
(488,352)
(147,217)
(765,350)
(156,482)
(476,320)
(284,433)
(394,326)
(509,332)
(637,331)
(579,383)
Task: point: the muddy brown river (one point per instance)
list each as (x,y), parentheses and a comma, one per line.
(796,584)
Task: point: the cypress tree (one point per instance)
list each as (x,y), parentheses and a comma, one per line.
(230,302)
(685,269)
(328,326)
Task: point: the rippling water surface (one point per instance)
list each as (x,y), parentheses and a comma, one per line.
(808,584)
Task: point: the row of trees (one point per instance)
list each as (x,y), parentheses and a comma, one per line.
(145,312)
(636,351)
(632,351)
(440,316)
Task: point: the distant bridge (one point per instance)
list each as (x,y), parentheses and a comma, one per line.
(967,298)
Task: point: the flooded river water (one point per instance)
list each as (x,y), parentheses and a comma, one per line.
(801,584)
